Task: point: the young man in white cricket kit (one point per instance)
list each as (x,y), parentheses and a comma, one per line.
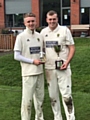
(27,47)
(58,79)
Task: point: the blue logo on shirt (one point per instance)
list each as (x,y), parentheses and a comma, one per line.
(51,43)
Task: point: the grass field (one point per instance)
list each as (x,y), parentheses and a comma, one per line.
(10,85)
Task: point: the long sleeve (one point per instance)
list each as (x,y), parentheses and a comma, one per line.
(19,57)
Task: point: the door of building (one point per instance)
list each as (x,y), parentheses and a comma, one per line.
(62,7)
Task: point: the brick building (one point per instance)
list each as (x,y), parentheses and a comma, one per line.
(69,11)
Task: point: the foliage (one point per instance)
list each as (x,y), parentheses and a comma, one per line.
(38,29)
(6,31)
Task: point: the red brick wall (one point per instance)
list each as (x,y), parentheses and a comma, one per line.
(2,19)
(35,10)
(75,14)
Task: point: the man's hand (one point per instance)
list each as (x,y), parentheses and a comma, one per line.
(36,62)
(64,66)
(70,56)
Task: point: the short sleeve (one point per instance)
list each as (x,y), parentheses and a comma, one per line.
(69,38)
(17,46)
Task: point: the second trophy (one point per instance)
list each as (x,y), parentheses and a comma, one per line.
(58,62)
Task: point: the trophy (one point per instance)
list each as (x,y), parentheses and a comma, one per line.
(42,57)
(58,62)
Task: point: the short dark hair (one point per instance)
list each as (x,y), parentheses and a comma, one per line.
(29,15)
(51,12)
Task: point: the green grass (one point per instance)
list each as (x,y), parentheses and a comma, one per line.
(10,98)
(80,66)
(10,85)
(10,73)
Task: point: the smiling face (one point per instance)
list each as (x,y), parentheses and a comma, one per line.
(52,21)
(30,22)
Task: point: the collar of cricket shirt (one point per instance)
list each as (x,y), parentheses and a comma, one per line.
(30,31)
(56,29)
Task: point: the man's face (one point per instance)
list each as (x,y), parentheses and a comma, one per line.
(52,21)
(30,22)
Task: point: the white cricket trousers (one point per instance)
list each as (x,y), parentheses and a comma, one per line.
(32,86)
(60,81)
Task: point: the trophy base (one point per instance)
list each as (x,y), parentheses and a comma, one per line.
(42,61)
(58,64)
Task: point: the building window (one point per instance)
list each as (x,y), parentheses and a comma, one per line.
(66,16)
(9,20)
(65,10)
(85,15)
(65,3)
(18,20)
(46,6)
(62,7)
(14,20)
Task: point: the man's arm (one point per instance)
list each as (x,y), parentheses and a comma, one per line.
(19,57)
(71,53)
(70,56)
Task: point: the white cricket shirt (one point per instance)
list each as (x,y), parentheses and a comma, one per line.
(60,36)
(30,46)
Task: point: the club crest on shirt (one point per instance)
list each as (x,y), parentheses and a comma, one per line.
(38,39)
(58,35)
